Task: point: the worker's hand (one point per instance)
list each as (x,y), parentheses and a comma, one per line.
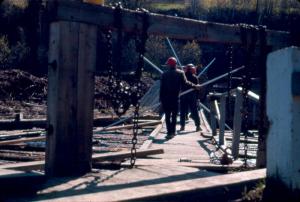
(198,87)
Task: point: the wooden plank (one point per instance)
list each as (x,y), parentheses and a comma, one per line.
(96,158)
(174,27)
(213,121)
(22,140)
(22,124)
(222,120)
(153,134)
(237,124)
(21,134)
(129,126)
(123,155)
(42,123)
(253,140)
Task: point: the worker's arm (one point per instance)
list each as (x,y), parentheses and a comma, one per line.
(184,81)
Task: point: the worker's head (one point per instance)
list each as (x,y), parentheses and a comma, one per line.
(171,62)
(191,68)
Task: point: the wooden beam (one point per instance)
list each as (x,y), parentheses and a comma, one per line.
(22,124)
(72,55)
(237,124)
(124,155)
(222,120)
(129,126)
(173,27)
(213,121)
(153,134)
(11,124)
(22,140)
(96,158)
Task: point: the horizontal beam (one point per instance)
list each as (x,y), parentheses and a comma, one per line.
(42,123)
(96,158)
(164,25)
(129,126)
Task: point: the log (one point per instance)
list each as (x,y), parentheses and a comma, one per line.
(173,27)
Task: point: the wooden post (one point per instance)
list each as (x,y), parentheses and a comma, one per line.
(72,59)
(237,124)
(213,120)
(222,119)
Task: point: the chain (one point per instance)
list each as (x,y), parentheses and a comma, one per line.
(229,78)
(120,92)
(248,38)
(140,43)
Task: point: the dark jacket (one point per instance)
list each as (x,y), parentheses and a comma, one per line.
(192,78)
(172,81)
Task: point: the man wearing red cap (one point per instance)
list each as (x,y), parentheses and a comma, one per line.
(172,81)
(188,102)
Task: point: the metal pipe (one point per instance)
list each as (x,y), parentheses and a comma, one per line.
(152,65)
(213,80)
(169,42)
(206,68)
(208,110)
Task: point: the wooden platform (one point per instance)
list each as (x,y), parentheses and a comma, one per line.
(177,174)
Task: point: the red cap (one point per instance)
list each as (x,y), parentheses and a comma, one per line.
(191,68)
(171,62)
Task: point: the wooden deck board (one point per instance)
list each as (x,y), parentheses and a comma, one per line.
(180,169)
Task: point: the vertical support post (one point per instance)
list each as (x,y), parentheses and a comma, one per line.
(213,121)
(72,59)
(222,119)
(283,110)
(237,124)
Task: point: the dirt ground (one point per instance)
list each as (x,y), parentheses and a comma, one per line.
(23,92)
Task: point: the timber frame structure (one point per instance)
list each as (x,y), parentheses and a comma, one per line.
(72,64)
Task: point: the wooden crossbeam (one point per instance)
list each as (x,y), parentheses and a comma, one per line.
(96,158)
(174,27)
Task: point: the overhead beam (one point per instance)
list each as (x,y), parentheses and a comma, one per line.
(173,27)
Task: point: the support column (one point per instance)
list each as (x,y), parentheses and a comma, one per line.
(72,59)
(283,110)
(213,121)
(222,119)
(237,124)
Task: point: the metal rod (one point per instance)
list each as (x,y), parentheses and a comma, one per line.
(208,110)
(206,68)
(152,65)
(169,42)
(212,80)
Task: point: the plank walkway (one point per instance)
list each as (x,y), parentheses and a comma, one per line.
(172,174)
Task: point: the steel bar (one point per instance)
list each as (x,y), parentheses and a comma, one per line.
(152,65)
(172,48)
(213,80)
(206,68)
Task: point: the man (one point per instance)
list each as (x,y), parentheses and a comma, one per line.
(189,101)
(171,83)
